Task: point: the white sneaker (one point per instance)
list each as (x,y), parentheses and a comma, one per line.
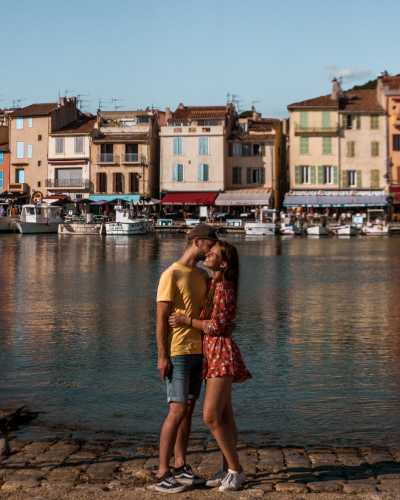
(232,480)
(217,479)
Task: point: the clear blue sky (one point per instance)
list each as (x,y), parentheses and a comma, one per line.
(164,52)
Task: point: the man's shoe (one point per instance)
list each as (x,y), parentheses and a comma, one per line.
(233,480)
(217,479)
(185,475)
(168,484)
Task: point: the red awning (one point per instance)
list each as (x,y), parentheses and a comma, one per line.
(188,199)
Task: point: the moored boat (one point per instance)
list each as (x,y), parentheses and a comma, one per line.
(377,226)
(126,225)
(347,230)
(265,227)
(39,219)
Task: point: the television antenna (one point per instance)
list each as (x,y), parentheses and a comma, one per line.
(68,92)
(115,103)
(101,104)
(85,105)
(228,97)
(252,105)
(79,99)
(18,101)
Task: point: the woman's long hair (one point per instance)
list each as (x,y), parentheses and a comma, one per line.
(229,273)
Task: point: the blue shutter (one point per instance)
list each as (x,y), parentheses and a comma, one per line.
(20,149)
(19,123)
(180,173)
(30,122)
(201,170)
(180,146)
(29,150)
(1,179)
(175,171)
(178,143)
(203,145)
(1,158)
(205,172)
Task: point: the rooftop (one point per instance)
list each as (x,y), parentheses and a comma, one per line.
(43,108)
(83,125)
(251,137)
(263,125)
(5,146)
(351,100)
(393,82)
(187,113)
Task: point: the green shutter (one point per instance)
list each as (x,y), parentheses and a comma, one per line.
(262,149)
(230,149)
(358,178)
(297,174)
(303,120)
(344,121)
(326,120)
(320,174)
(374,178)
(344,179)
(374,148)
(358,122)
(248,175)
(262,175)
(327,145)
(335,172)
(350,148)
(201,171)
(239,175)
(234,175)
(375,122)
(312,174)
(304,145)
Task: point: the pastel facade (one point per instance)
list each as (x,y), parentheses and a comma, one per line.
(4,157)
(125,153)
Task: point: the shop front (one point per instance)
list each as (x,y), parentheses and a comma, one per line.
(186,204)
(240,202)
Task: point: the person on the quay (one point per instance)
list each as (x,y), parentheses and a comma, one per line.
(182,287)
(222,361)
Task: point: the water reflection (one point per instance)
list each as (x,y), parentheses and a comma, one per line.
(317,326)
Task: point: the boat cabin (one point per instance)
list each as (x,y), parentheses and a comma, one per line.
(36,213)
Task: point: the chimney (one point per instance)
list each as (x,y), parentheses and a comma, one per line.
(62,101)
(336,91)
(168,114)
(256,116)
(380,91)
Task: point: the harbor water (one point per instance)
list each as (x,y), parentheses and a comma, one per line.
(318,326)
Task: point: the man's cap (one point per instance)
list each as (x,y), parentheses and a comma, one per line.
(204,232)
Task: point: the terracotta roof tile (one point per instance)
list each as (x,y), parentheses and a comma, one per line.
(4,146)
(84,125)
(199,112)
(316,102)
(393,82)
(360,100)
(122,138)
(264,125)
(36,109)
(251,137)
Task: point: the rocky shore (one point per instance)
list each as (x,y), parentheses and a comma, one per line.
(65,463)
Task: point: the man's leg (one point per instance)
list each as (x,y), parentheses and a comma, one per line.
(176,416)
(182,439)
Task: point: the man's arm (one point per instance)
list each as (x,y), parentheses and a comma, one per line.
(163,363)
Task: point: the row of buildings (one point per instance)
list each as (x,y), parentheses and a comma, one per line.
(341,149)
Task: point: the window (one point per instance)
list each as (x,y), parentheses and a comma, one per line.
(374,178)
(350,149)
(68,177)
(1,179)
(20,149)
(374,122)
(328,175)
(39,163)
(351,122)
(177,172)
(118,182)
(101,182)
(178,146)
(203,145)
(1,158)
(203,172)
(19,123)
(246,149)
(143,119)
(59,145)
(39,138)
(237,175)
(374,148)
(178,124)
(396,142)
(304,175)
(256,176)
(20,175)
(303,120)
(237,150)
(29,150)
(304,146)
(256,150)
(326,120)
(351,178)
(242,127)
(327,145)
(30,125)
(208,123)
(79,144)
(38,184)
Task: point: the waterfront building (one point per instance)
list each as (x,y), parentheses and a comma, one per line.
(68,162)
(29,133)
(125,154)
(255,164)
(4,155)
(193,153)
(338,151)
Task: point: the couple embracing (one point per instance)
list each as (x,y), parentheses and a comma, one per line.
(195,318)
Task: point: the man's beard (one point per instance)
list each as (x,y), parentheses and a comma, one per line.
(201,254)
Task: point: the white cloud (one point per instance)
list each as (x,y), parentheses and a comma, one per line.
(348,73)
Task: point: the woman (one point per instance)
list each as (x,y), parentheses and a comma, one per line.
(222,362)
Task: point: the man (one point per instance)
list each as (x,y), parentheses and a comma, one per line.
(182,288)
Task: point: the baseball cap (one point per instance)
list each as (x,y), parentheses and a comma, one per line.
(204,232)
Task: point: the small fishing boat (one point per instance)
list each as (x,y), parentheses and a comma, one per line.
(347,230)
(39,219)
(376,226)
(125,224)
(266,226)
(318,229)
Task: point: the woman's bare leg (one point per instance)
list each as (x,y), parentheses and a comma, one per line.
(218,394)
(227,417)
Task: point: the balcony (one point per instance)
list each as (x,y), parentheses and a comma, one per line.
(69,183)
(133,158)
(18,187)
(317,129)
(107,158)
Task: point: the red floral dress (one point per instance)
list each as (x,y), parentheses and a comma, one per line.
(221,355)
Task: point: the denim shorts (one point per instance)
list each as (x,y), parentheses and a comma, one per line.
(183,379)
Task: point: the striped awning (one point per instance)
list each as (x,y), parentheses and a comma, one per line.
(334,201)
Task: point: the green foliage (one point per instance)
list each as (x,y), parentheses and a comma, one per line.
(371,85)
(246,114)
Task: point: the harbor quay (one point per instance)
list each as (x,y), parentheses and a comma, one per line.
(59,462)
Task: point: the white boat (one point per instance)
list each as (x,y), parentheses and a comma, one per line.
(266,226)
(39,219)
(318,229)
(377,226)
(347,230)
(123,224)
(291,225)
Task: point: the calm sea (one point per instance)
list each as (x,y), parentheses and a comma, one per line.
(318,326)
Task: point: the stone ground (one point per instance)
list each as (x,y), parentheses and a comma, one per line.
(61,463)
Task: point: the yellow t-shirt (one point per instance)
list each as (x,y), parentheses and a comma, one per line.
(185,288)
